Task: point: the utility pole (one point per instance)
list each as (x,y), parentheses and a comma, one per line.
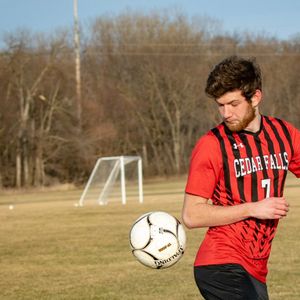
(77,63)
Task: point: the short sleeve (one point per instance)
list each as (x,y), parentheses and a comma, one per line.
(294,164)
(205,167)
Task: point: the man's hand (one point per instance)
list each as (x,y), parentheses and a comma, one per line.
(269,208)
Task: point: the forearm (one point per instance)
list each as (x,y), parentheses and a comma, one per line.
(206,215)
(197,212)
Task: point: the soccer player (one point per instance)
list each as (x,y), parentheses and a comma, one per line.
(235,185)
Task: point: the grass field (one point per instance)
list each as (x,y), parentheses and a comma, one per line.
(50,249)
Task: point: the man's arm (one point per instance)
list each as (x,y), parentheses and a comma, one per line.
(197,212)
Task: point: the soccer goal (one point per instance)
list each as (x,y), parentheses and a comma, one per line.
(114,178)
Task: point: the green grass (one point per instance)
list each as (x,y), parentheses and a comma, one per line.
(50,249)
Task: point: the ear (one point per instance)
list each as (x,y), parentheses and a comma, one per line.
(256,98)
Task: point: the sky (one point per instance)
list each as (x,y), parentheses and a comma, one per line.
(274,18)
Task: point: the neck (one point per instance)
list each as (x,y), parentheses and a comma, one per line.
(254,125)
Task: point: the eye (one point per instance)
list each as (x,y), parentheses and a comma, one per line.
(235,103)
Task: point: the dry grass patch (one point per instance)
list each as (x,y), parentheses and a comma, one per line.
(50,249)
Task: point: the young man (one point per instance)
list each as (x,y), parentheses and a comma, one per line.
(241,166)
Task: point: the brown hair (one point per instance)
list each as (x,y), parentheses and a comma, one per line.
(234,73)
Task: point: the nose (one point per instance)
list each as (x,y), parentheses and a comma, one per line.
(226,111)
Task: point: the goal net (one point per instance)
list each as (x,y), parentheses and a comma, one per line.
(113,179)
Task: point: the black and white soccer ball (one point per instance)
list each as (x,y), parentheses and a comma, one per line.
(157,240)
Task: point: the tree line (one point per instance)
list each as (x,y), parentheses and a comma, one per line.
(142,93)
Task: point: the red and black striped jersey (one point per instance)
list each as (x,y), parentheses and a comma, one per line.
(236,167)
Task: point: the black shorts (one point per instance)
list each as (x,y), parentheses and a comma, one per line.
(228,282)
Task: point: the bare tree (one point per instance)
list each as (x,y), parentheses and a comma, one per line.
(143,93)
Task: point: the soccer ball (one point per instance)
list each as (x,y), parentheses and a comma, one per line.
(157,240)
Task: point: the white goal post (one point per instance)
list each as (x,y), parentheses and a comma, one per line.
(107,171)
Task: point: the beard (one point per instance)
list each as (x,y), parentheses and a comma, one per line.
(241,125)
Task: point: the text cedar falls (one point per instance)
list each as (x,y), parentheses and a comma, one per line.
(248,165)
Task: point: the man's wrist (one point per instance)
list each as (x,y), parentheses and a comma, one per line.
(249,210)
